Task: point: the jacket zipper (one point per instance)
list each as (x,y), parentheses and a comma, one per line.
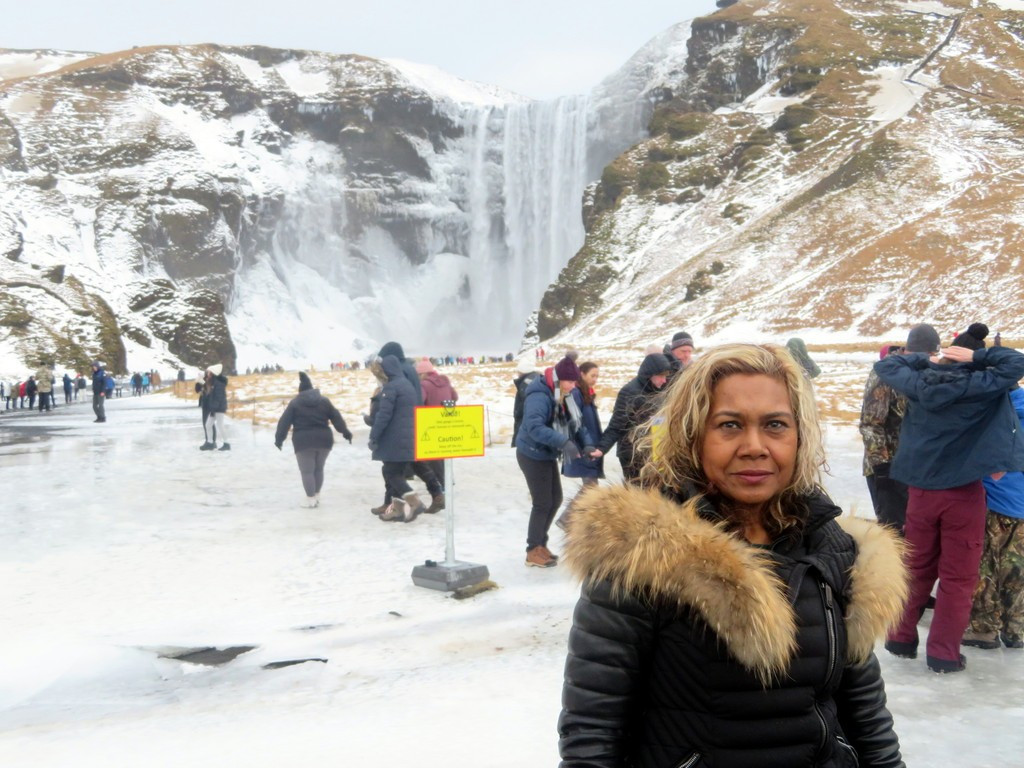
(830,628)
(830,625)
(690,761)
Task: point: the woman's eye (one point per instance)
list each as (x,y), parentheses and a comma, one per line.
(776,425)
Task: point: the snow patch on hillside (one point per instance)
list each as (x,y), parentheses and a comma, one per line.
(1009,5)
(436,82)
(895,95)
(28,63)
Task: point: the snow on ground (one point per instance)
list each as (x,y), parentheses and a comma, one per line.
(1010,5)
(437,82)
(894,96)
(122,542)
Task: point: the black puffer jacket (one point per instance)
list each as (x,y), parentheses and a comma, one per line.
(310,414)
(635,404)
(391,436)
(219,394)
(692,647)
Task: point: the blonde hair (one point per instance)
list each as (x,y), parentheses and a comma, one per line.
(673,447)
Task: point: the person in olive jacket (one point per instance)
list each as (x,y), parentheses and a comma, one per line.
(728,613)
(310,416)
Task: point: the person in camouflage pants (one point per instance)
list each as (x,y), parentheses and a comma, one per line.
(881,415)
(997,613)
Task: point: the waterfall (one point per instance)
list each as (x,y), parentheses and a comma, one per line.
(526,171)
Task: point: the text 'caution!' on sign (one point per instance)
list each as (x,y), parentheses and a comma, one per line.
(449,433)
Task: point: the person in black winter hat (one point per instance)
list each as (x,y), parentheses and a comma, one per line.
(310,416)
(973,337)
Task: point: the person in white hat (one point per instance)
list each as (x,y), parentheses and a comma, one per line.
(217,384)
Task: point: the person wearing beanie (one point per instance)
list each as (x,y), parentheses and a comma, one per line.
(959,428)
(436,390)
(310,417)
(392,442)
(567,370)
(973,337)
(636,403)
(215,404)
(527,373)
(547,432)
(680,350)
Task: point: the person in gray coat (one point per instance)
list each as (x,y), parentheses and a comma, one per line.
(392,440)
(310,416)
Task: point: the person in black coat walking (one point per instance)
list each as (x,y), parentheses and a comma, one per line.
(728,613)
(392,439)
(310,415)
(635,403)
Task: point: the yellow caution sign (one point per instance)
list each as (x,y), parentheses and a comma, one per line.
(449,433)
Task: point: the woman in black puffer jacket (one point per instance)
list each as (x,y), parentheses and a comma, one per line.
(310,416)
(728,616)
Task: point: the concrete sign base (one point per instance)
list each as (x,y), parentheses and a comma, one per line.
(447,577)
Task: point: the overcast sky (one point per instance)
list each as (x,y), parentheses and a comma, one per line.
(540,48)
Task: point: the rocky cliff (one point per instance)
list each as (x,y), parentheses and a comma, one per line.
(186,205)
(832,169)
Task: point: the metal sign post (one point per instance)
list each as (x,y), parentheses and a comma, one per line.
(448,432)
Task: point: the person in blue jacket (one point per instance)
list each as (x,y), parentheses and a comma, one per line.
(545,434)
(997,614)
(392,440)
(959,427)
(588,468)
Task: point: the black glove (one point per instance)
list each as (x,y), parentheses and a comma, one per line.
(373,445)
(348,436)
(570,451)
(278,446)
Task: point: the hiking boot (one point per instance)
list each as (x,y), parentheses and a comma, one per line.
(986,640)
(394,512)
(413,506)
(207,446)
(1011,641)
(309,502)
(550,554)
(902,650)
(436,504)
(539,557)
(380,510)
(943,667)
(225,447)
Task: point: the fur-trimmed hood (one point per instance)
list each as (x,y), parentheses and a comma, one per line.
(641,541)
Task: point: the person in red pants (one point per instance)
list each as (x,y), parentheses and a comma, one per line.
(959,427)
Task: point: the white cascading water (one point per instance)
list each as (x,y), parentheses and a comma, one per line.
(527,168)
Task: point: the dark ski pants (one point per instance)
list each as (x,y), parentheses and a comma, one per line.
(545,484)
(889,499)
(311,467)
(97,406)
(67,396)
(395,484)
(945,532)
(44,401)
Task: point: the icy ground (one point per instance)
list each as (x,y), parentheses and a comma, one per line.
(120,542)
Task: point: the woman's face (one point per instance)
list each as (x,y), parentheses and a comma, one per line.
(750,440)
(590,378)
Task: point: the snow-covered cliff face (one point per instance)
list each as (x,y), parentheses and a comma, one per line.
(838,171)
(260,205)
